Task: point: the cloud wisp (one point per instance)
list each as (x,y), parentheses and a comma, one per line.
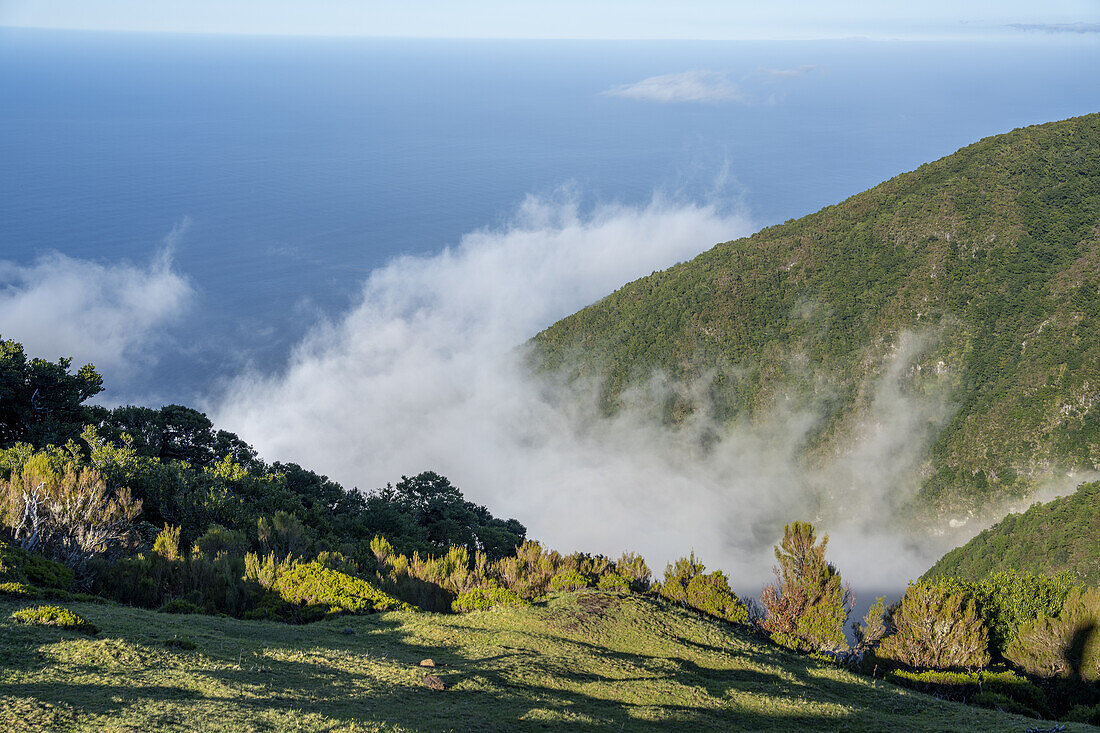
(426,373)
(1079,28)
(700,85)
(110,315)
(708,86)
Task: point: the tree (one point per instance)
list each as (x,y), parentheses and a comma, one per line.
(41,403)
(808,605)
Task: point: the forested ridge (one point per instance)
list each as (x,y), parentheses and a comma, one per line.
(991,256)
(1062,535)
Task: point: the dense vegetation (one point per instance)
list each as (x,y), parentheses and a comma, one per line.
(991,255)
(1062,535)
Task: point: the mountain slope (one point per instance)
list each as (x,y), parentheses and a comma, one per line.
(586,661)
(977,277)
(1047,538)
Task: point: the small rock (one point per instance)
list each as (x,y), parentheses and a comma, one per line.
(348,631)
(427,662)
(433,682)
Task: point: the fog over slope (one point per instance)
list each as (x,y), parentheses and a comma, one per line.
(426,372)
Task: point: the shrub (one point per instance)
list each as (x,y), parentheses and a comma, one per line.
(180,606)
(936,628)
(634,569)
(218,541)
(69,515)
(62,618)
(612,581)
(686,583)
(807,607)
(1067,645)
(1004,690)
(874,627)
(15,588)
(167,543)
(18,565)
(312,584)
(1008,600)
(569,580)
(1084,714)
(482,599)
(283,534)
(528,573)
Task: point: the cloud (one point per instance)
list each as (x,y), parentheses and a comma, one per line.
(788,73)
(105,314)
(1057,27)
(426,373)
(708,86)
(689,86)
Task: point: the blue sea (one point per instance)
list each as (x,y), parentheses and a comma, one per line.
(281,171)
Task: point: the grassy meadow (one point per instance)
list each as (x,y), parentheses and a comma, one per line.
(579,661)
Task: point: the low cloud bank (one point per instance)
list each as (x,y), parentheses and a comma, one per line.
(110,315)
(426,372)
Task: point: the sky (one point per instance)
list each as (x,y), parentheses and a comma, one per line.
(579,19)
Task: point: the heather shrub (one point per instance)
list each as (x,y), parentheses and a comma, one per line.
(66,512)
(612,581)
(529,571)
(1067,645)
(61,618)
(808,605)
(936,628)
(283,534)
(874,627)
(634,569)
(569,580)
(167,544)
(482,599)
(218,541)
(686,583)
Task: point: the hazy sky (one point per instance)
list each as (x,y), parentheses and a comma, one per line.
(611,19)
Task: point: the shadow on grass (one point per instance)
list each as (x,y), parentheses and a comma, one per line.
(498,687)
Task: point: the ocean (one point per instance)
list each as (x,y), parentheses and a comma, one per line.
(280,172)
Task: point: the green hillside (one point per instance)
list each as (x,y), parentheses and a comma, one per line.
(590,661)
(1063,534)
(990,257)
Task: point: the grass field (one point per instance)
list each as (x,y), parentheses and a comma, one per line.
(587,661)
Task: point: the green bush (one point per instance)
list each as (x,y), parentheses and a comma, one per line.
(569,580)
(17,564)
(1004,690)
(482,599)
(613,581)
(1067,645)
(935,628)
(180,606)
(62,618)
(634,569)
(312,584)
(1084,714)
(686,583)
(15,588)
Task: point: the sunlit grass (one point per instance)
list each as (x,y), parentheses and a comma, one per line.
(586,661)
